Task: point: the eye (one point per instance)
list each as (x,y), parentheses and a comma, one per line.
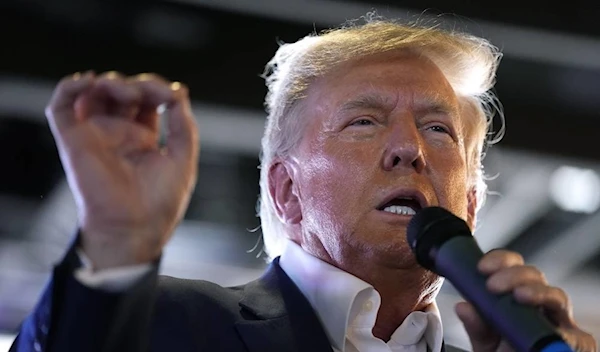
(362,122)
(440,129)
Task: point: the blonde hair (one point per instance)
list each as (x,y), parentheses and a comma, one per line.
(469,64)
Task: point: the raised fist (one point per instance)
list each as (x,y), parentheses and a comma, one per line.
(131,192)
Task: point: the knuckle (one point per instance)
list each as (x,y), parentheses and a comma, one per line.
(111,80)
(150,77)
(502,258)
(111,75)
(66,81)
(515,257)
(563,296)
(66,85)
(497,283)
(535,272)
(499,253)
(179,87)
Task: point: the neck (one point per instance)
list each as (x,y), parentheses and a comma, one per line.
(402,290)
(409,292)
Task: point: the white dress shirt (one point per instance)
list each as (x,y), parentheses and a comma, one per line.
(346,306)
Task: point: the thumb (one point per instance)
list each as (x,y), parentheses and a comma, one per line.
(483,337)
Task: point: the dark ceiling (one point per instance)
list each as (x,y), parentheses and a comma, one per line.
(549,107)
(579,17)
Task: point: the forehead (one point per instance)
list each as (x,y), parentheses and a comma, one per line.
(394,78)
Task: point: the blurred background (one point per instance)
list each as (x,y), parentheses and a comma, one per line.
(545,192)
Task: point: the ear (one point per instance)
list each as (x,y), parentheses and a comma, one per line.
(284,193)
(472,208)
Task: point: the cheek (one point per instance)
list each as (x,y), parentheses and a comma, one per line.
(331,183)
(451,184)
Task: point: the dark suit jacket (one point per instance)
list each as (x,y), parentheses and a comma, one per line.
(169,314)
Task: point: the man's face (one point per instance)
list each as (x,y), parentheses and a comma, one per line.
(383,138)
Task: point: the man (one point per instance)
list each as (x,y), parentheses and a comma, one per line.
(367,124)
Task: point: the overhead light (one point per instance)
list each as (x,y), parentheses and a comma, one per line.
(575,189)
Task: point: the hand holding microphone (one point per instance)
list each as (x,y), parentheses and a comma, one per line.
(504,295)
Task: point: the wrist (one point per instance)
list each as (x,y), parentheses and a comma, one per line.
(118,249)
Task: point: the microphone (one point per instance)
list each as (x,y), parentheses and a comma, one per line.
(443,243)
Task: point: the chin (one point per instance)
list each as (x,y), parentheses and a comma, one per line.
(395,254)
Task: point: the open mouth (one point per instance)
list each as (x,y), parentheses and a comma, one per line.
(402,206)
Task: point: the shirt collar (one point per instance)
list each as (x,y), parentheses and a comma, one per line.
(330,291)
(337,296)
(427,324)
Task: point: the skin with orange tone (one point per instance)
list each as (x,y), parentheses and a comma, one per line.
(383,124)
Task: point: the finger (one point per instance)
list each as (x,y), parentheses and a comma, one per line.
(60,111)
(498,259)
(119,88)
(182,139)
(149,116)
(579,340)
(507,279)
(113,95)
(553,300)
(482,336)
(125,136)
(155,91)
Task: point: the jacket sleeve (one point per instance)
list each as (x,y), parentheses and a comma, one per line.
(70,316)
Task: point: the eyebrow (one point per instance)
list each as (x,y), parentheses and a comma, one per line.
(424,104)
(435,104)
(366,101)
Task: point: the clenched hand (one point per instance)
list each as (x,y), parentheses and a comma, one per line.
(130,191)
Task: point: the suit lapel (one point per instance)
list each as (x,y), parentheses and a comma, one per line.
(278,317)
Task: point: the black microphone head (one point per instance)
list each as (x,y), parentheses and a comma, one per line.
(430,228)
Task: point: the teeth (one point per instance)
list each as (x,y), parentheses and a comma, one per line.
(400,209)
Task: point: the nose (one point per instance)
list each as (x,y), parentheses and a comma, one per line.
(404,149)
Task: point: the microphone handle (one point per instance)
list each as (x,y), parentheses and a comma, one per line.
(522,326)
